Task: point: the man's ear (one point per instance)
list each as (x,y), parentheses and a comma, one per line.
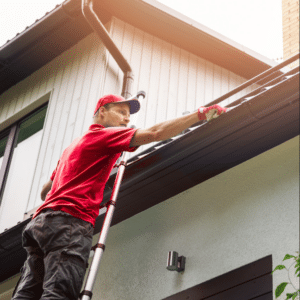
(102,110)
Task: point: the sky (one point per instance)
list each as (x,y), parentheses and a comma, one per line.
(255,24)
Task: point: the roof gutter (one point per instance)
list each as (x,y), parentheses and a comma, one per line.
(95,23)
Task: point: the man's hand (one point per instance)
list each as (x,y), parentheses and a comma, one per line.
(211,112)
(45,189)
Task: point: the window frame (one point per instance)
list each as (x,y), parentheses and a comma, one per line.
(13,130)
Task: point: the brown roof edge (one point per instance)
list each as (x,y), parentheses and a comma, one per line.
(64,26)
(45,23)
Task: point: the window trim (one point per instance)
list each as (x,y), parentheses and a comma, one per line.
(7,158)
(10,147)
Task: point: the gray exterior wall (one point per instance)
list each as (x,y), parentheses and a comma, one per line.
(175,81)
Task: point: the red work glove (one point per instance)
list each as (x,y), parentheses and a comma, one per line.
(211,112)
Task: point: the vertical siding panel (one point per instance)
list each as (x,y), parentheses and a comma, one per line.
(217,82)
(78,101)
(200,92)
(6,99)
(225,85)
(114,75)
(83,86)
(19,96)
(132,50)
(27,87)
(104,66)
(31,86)
(98,73)
(152,104)
(57,130)
(164,79)
(136,63)
(192,102)
(72,117)
(43,86)
(3,101)
(136,58)
(41,176)
(209,82)
(66,97)
(144,82)
(127,48)
(51,73)
(48,74)
(9,101)
(144,78)
(240,81)
(183,82)
(35,85)
(173,83)
(3,98)
(87,90)
(232,85)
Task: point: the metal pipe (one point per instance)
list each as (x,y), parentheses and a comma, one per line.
(96,24)
(255,79)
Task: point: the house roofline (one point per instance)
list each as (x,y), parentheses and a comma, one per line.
(210,32)
(24,54)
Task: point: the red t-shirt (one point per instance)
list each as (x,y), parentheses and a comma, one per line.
(83,170)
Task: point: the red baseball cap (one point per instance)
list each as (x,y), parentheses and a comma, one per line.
(134,103)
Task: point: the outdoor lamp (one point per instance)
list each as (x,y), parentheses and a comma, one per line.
(174,262)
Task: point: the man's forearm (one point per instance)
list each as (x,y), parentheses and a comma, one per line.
(168,129)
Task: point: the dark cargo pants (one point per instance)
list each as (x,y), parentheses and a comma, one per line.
(58,247)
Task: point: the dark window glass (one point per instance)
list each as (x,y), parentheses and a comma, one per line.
(21,169)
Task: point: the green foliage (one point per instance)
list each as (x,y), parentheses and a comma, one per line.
(281,287)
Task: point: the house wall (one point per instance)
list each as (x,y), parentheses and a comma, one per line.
(175,81)
(230,220)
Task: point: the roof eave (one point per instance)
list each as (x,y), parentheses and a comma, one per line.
(65,26)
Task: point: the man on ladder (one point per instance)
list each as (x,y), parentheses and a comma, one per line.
(59,237)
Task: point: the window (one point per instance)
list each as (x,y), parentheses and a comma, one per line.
(3,142)
(19,150)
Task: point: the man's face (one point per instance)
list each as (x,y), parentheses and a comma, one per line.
(118,115)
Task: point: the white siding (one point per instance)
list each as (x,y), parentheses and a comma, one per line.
(175,81)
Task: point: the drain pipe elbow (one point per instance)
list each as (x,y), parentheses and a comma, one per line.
(127,84)
(98,27)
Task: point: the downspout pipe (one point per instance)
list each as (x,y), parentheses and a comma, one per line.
(91,17)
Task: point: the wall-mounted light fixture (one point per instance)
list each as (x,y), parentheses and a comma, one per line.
(175,263)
